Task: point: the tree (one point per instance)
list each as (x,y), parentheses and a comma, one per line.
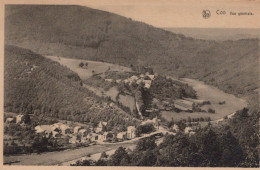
(147,128)
(26,119)
(119,155)
(81,64)
(103,155)
(82,163)
(146,144)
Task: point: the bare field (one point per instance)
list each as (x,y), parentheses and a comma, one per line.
(94,67)
(128,101)
(212,94)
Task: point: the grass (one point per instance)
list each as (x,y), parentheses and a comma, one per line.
(128,101)
(55,158)
(212,94)
(93,66)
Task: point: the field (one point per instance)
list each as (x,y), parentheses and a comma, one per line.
(93,67)
(57,158)
(128,101)
(212,94)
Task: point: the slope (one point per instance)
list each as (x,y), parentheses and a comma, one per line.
(84,33)
(34,84)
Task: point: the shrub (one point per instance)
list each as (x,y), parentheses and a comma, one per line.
(210,110)
(222,102)
(81,64)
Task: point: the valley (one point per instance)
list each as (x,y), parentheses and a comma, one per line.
(85,87)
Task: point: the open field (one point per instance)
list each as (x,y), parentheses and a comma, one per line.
(128,101)
(93,66)
(212,94)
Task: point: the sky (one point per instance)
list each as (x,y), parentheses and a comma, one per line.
(173,13)
(185,13)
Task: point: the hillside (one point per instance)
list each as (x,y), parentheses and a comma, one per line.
(84,33)
(34,84)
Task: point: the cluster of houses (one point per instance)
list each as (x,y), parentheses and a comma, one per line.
(146,79)
(79,134)
(190,130)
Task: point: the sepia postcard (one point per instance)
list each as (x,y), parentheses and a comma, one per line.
(130,84)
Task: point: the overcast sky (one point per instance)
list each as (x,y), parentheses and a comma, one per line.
(173,13)
(169,13)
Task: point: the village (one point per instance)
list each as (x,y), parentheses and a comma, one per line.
(75,134)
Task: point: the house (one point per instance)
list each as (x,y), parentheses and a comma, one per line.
(131,132)
(65,129)
(84,140)
(83,132)
(93,137)
(74,140)
(76,129)
(121,136)
(175,128)
(151,76)
(56,134)
(189,130)
(100,127)
(154,122)
(118,81)
(147,83)
(19,118)
(39,129)
(10,120)
(46,129)
(133,78)
(139,81)
(109,80)
(105,135)
(55,127)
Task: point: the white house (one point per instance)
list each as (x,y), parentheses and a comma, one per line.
(83,132)
(76,129)
(100,127)
(131,132)
(175,128)
(65,129)
(10,120)
(189,130)
(154,122)
(19,118)
(74,140)
(151,76)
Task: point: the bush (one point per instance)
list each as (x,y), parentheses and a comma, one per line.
(81,64)
(148,128)
(210,110)
(221,103)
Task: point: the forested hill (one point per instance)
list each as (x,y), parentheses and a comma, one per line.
(34,84)
(81,32)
